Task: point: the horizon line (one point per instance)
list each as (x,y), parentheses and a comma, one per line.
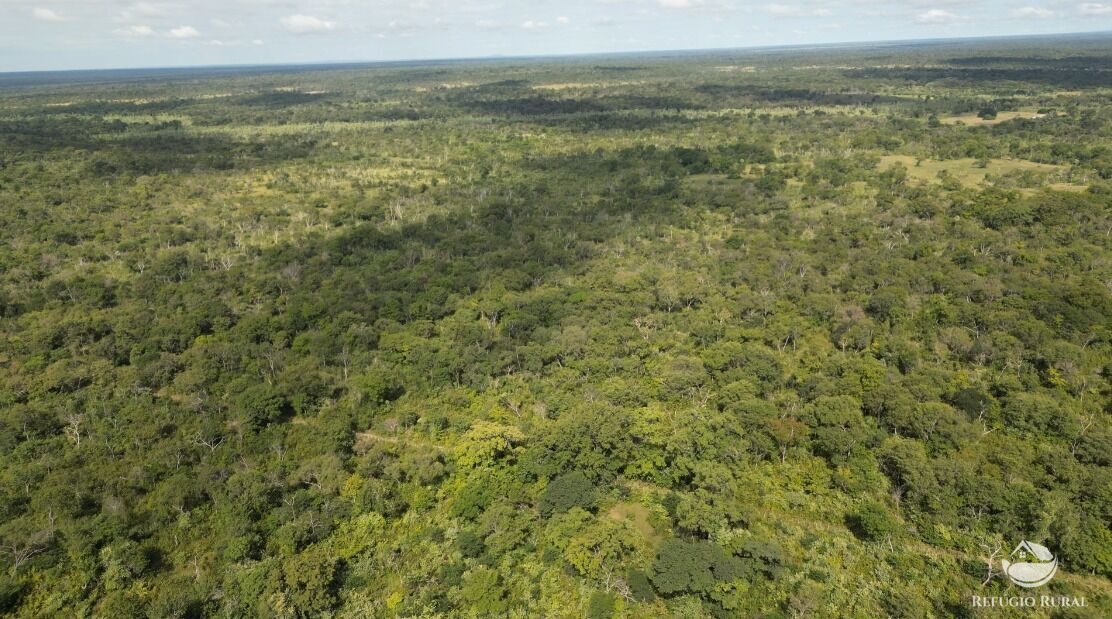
(561,56)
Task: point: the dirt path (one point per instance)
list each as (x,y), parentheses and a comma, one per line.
(364,439)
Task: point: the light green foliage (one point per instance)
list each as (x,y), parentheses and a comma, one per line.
(308,583)
(602,548)
(485,443)
(483,592)
(377,386)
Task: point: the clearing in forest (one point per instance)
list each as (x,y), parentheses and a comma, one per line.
(973,119)
(967,170)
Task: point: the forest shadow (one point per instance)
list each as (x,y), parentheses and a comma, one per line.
(115,147)
(174,151)
(1072,62)
(1060,77)
(282,98)
(540,105)
(752,93)
(410,272)
(604,121)
(617,112)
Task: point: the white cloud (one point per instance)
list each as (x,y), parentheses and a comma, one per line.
(489,24)
(142,11)
(307,24)
(451,27)
(1032,12)
(232,43)
(42,14)
(1094,8)
(793,10)
(183,32)
(137,31)
(680,4)
(936,16)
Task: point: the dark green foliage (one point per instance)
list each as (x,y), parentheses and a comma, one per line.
(762,558)
(1084,544)
(10,592)
(183,600)
(260,405)
(567,491)
(840,429)
(692,567)
(595,444)
(473,499)
(906,602)
(470,544)
(379,386)
(452,574)
(639,586)
(973,401)
(122,604)
(600,605)
(873,522)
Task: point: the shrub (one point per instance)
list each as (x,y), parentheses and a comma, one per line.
(600,606)
(692,567)
(470,544)
(260,406)
(873,522)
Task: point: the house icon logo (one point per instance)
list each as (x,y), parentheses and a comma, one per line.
(1031,565)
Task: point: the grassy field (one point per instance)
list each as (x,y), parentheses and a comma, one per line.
(973,172)
(976,121)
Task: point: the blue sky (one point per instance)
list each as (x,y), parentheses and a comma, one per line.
(83,34)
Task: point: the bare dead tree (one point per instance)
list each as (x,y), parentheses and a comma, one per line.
(345,359)
(21,551)
(621,587)
(73,428)
(991,561)
(612,583)
(1080,435)
(211,442)
(985,430)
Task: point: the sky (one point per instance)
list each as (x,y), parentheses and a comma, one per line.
(94,34)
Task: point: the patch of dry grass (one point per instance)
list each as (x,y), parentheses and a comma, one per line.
(636,515)
(974,120)
(965,170)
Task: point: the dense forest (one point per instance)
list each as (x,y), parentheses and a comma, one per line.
(769,333)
